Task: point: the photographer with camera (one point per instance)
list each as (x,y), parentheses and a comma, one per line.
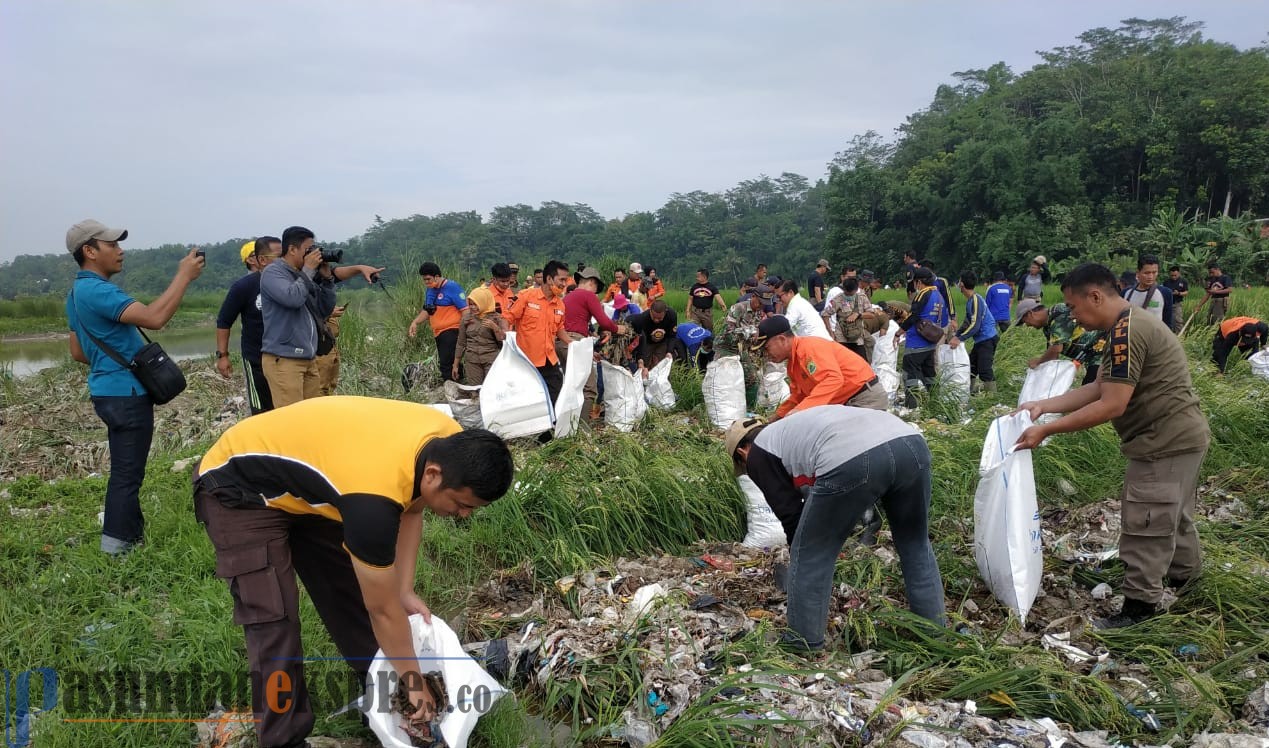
(297,295)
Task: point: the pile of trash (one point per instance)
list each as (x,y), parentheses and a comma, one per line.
(681,617)
(51,431)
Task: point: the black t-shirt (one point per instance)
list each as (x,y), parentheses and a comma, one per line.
(703,295)
(1180,285)
(815,281)
(1226,284)
(243,300)
(654,332)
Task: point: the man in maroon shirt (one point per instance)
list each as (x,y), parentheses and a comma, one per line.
(580,307)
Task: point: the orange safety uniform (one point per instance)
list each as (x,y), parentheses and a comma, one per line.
(1234,324)
(822,372)
(537,320)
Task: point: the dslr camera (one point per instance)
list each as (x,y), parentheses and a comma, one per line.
(335,256)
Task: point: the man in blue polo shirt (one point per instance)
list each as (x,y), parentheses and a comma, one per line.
(99,309)
(999,299)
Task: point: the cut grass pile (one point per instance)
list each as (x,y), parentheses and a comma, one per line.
(579,503)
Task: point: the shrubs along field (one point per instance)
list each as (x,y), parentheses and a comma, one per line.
(581,503)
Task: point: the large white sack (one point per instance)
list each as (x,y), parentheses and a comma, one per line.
(1049,379)
(464,404)
(1260,363)
(723,388)
(952,368)
(763,527)
(514,401)
(773,386)
(471,690)
(624,405)
(1006,517)
(885,359)
(657,390)
(568,406)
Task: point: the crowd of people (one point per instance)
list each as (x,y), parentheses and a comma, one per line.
(343,510)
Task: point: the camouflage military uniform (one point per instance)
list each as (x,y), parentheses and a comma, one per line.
(618,349)
(1084,347)
(739,328)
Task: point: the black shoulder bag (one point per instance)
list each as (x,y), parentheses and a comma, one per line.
(157,372)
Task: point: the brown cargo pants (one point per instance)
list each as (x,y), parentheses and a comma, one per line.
(703,317)
(476,367)
(259,551)
(1157,534)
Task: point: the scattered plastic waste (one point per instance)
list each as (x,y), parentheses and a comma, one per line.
(1188,650)
(1101,591)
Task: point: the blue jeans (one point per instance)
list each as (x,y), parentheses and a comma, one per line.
(130,428)
(896,475)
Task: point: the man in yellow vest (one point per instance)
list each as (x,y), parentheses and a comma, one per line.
(333,489)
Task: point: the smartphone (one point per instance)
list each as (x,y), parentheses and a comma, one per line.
(200,253)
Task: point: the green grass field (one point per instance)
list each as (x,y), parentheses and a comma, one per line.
(579,503)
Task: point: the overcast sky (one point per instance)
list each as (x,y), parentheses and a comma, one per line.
(199,121)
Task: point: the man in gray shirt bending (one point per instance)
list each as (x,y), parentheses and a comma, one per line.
(847,459)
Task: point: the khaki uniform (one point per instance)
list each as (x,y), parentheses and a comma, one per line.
(477,348)
(328,365)
(1157,537)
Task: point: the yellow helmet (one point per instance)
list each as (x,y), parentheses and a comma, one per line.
(247,250)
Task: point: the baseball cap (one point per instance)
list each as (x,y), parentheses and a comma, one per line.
(736,433)
(770,327)
(822,264)
(619,301)
(751,281)
(1025,307)
(867,275)
(589,273)
(248,249)
(514,267)
(636,268)
(89,229)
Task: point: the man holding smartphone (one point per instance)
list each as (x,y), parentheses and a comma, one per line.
(98,310)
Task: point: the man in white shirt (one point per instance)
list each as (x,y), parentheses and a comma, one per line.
(1148,294)
(803,319)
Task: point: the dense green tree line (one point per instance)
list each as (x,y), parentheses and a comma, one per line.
(1147,136)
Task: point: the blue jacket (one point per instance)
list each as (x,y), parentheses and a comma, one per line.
(289,328)
(928,304)
(999,300)
(979,323)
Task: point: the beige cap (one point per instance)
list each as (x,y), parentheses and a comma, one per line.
(87,230)
(736,432)
(636,268)
(822,263)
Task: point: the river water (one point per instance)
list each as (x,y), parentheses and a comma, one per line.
(26,357)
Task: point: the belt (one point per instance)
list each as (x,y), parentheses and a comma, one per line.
(870,383)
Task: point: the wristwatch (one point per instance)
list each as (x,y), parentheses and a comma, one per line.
(222,354)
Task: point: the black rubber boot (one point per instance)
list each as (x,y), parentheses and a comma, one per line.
(1133,613)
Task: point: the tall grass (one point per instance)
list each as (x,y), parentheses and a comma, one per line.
(578,503)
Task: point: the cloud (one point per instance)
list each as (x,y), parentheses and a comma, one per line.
(201,120)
